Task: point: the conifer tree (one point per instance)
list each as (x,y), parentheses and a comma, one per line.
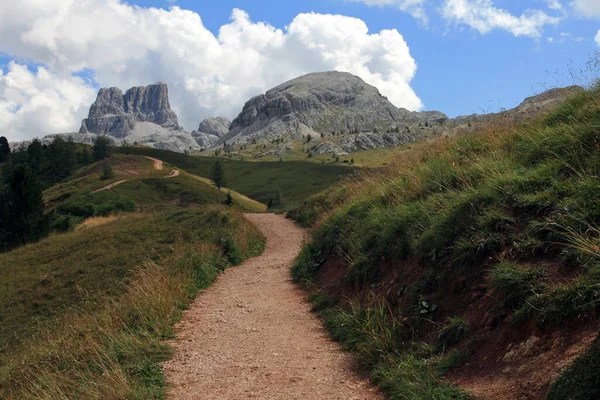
(4,148)
(218,175)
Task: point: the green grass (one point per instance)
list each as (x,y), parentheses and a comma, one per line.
(378,338)
(483,206)
(513,285)
(258,180)
(581,380)
(84,314)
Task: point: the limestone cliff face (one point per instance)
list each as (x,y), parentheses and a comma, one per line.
(322,104)
(116,115)
(211,130)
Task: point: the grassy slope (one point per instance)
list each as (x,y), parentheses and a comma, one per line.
(146,186)
(513,208)
(258,180)
(87,310)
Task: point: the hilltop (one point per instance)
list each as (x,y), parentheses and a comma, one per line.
(470,265)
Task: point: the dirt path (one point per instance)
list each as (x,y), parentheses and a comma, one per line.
(252,335)
(158,165)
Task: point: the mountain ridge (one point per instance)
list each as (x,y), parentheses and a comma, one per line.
(340,109)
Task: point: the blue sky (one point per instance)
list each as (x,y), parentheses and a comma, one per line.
(459,71)
(456,56)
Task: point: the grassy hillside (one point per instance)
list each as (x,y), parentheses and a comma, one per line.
(464,250)
(145,185)
(84,314)
(260,181)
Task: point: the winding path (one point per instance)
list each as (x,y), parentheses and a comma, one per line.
(158,165)
(252,335)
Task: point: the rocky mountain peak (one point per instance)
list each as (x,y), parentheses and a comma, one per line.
(321,104)
(116,114)
(211,130)
(217,126)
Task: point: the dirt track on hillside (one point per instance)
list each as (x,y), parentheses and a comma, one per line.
(252,335)
(158,165)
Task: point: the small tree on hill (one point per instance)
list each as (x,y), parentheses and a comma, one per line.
(218,175)
(35,155)
(229,199)
(84,156)
(107,171)
(4,148)
(101,148)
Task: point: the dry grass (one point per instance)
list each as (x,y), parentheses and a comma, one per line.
(96,221)
(113,350)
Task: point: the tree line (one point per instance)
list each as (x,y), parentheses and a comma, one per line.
(26,173)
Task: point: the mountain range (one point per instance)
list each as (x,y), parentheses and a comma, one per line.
(339,109)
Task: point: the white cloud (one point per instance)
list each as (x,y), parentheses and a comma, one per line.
(482,16)
(32,103)
(207,75)
(413,7)
(597,38)
(587,8)
(554,5)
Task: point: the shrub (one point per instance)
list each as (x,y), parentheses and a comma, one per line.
(107,171)
(231,250)
(64,223)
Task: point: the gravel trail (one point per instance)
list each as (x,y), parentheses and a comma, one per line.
(252,336)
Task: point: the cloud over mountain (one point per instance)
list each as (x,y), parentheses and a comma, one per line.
(121,45)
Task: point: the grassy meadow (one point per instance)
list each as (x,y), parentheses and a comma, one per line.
(84,313)
(260,181)
(513,208)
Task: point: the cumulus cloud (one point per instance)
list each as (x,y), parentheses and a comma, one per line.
(484,17)
(208,74)
(587,8)
(554,5)
(39,102)
(597,39)
(413,7)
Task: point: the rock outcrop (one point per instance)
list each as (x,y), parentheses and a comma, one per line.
(142,115)
(321,105)
(116,115)
(210,131)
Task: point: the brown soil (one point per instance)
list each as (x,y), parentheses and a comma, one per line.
(507,360)
(158,164)
(252,335)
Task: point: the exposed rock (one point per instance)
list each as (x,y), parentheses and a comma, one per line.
(278,150)
(210,131)
(326,148)
(142,115)
(216,126)
(322,104)
(116,115)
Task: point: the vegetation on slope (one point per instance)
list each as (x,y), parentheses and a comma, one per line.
(84,312)
(296,180)
(103,299)
(514,208)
